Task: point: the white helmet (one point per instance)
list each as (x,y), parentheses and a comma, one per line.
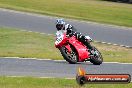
(60,23)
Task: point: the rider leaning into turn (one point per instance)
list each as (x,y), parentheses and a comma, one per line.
(70,31)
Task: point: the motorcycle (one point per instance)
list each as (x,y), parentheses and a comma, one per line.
(74,51)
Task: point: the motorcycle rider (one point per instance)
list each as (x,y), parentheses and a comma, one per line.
(70,31)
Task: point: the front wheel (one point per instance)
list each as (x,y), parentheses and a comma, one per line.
(97,59)
(70,57)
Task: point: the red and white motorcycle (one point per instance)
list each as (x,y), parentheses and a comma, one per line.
(75,51)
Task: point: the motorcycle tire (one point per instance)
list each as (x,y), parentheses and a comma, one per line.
(96,60)
(66,57)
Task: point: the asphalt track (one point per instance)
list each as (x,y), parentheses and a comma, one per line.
(46,24)
(49,68)
(61,69)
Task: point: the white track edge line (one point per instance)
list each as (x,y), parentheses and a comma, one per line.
(53,17)
(53,60)
(45,77)
(94,41)
(41,77)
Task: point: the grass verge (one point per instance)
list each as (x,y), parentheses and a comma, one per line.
(92,10)
(30,82)
(17,43)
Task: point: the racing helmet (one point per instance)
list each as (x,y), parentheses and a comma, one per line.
(60,23)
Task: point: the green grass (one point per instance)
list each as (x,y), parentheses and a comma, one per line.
(92,10)
(16,43)
(30,82)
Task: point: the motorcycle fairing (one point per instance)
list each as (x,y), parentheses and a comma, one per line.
(80,48)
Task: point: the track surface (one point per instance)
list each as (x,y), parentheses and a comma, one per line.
(49,68)
(40,23)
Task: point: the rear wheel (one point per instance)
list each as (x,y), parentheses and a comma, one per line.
(97,59)
(71,57)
